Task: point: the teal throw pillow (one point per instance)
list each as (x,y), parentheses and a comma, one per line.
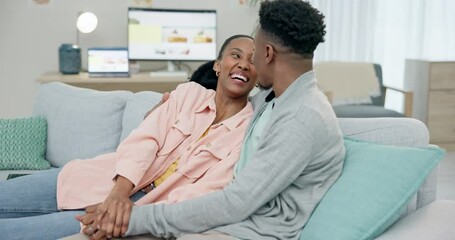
(372,192)
(23,144)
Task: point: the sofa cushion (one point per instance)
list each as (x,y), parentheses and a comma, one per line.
(435,221)
(82,123)
(136,107)
(23,144)
(371,193)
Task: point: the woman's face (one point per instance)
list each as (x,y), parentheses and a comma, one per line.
(237,75)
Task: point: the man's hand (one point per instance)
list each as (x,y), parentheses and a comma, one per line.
(165,97)
(88,220)
(99,235)
(89,217)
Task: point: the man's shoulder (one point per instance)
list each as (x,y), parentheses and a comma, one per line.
(259,98)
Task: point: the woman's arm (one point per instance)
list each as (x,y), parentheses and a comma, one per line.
(216,178)
(136,154)
(116,208)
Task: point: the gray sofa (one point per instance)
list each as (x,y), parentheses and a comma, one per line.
(83,123)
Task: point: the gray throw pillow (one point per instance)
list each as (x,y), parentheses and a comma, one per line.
(82,123)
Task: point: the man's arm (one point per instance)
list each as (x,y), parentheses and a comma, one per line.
(164,98)
(273,168)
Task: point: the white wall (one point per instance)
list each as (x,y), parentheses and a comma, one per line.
(30,37)
(2,61)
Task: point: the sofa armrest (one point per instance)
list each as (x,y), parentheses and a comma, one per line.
(329,95)
(434,221)
(408,100)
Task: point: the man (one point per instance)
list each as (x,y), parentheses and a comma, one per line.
(293,151)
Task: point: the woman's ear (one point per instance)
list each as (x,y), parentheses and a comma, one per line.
(216,66)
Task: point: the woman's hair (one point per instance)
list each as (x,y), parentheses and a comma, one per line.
(294,24)
(223,47)
(205,75)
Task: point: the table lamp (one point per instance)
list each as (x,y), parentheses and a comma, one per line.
(86,23)
(70,54)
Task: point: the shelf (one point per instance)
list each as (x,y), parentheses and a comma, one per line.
(137,82)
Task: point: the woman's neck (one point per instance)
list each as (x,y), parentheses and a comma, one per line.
(227,107)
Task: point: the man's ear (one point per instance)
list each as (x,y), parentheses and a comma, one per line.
(269,53)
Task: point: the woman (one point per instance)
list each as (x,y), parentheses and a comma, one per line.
(187,147)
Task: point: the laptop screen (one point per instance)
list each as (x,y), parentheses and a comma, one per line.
(108,62)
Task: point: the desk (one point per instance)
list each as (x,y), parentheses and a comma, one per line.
(135,83)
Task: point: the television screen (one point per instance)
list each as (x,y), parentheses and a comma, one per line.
(171,34)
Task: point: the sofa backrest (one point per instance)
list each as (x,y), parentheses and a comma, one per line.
(82,123)
(407,132)
(392,131)
(138,104)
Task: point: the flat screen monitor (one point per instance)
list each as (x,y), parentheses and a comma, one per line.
(172,34)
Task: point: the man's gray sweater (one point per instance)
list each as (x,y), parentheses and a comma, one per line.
(299,156)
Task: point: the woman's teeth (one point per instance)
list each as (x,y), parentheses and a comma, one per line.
(239,77)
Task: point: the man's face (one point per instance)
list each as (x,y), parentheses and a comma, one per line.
(259,60)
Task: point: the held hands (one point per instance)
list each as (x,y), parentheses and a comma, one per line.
(111,217)
(88,220)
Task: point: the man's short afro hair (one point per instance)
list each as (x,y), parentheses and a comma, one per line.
(294,23)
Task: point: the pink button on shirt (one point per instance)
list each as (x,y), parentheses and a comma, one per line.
(170,132)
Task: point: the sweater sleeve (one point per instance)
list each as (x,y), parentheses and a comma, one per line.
(272,169)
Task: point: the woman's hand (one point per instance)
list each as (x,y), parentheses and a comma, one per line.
(113,214)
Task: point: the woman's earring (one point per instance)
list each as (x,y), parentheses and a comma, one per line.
(217,74)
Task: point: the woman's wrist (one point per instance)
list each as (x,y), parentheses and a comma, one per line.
(123,185)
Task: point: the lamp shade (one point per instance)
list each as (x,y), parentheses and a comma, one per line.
(87,22)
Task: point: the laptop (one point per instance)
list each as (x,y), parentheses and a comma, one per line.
(108,62)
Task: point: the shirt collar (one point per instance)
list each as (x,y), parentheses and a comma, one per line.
(210,103)
(232,122)
(236,120)
(270,97)
(305,81)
